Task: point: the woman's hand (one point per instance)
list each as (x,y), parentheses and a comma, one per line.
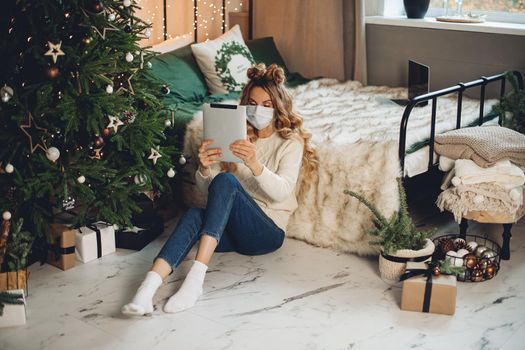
(208,156)
(247,152)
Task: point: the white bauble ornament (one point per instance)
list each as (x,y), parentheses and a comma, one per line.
(148,64)
(81,179)
(6,92)
(171,172)
(462,252)
(129,57)
(6,215)
(167,123)
(9,168)
(52,154)
(147,33)
(126,3)
(109,89)
(111,17)
(182,160)
(139,179)
(472,245)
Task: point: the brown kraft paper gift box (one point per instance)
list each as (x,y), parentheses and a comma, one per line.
(13,280)
(61,252)
(440,292)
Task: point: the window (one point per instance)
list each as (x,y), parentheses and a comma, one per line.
(495,10)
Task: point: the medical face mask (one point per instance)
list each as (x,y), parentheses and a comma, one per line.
(259,116)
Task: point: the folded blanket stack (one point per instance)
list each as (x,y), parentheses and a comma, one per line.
(482,176)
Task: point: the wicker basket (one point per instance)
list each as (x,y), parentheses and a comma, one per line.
(391,267)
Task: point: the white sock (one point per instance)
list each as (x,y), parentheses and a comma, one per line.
(142,302)
(190,290)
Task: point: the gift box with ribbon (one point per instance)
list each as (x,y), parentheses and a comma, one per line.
(61,250)
(140,235)
(12,308)
(94,241)
(424,292)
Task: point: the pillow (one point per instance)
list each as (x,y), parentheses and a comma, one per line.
(264,50)
(179,70)
(224,61)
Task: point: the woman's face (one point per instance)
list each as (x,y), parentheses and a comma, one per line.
(259,96)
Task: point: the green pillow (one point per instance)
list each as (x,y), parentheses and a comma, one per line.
(179,70)
(264,50)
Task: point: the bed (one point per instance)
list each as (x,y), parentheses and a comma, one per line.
(363,140)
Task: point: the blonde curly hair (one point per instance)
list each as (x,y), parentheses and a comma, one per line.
(287,123)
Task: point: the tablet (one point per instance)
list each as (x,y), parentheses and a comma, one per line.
(224,124)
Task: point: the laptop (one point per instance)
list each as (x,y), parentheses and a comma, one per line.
(224,124)
(418,78)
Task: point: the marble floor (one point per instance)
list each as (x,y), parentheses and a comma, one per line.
(300,297)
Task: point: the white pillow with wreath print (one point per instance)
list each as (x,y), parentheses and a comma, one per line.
(224,61)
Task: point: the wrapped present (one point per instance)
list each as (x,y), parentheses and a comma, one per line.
(12,308)
(138,237)
(424,292)
(94,241)
(13,280)
(61,252)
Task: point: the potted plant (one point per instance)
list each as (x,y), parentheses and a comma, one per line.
(13,274)
(399,238)
(512,106)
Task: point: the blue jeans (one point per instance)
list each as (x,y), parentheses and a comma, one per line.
(231,216)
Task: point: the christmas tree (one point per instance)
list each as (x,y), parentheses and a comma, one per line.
(81,117)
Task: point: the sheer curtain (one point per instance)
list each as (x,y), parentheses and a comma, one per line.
(316,37)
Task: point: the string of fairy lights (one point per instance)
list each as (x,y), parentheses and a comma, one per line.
(205,15)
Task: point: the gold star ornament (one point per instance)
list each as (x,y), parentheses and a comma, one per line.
(114,122)
(154,155)
(32,130)
(54,51)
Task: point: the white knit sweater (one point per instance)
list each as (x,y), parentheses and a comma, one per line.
(274,189)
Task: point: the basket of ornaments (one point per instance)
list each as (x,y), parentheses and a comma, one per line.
(479,255)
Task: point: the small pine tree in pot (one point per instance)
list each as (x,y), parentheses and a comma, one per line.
(399,238)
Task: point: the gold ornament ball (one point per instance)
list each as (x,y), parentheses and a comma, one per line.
(483,263)
(52,72)
(436,271)
(99,142)
(106,132)
(490,271)
(477,275)
(471,261)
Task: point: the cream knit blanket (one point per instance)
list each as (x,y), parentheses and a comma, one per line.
(503,173)
(484,145)
(480,197)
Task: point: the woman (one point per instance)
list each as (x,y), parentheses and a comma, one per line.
(249,204)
